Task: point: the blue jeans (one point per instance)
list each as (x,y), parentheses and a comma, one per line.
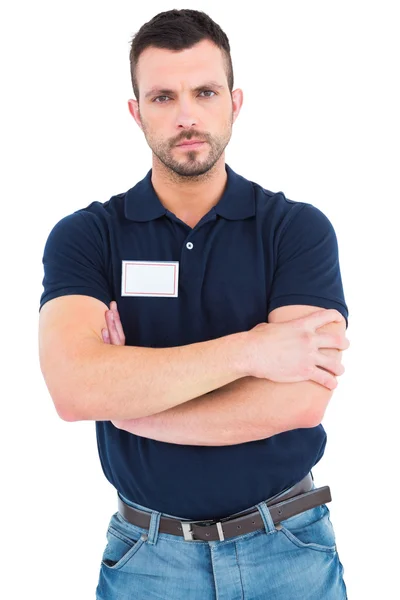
(294,560)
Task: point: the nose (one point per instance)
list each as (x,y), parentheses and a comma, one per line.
(186,122)
(186,118)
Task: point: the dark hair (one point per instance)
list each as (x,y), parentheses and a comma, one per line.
(178,30)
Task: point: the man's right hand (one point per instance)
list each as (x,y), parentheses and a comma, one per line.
(290,351)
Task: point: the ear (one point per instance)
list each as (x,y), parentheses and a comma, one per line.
(237,101)
(133,106)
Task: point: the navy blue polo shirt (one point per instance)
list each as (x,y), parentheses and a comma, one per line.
(254,251)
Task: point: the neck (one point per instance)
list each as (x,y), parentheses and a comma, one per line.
(189,198)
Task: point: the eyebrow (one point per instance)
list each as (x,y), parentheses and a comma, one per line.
(162,92)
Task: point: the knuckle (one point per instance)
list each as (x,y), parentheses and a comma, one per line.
(306,369)
(328,380)
(345,343)
(328,383)
(339,340)
(307,337)
(337,369)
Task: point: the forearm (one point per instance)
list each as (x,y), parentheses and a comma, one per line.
(126,382)
(245,410)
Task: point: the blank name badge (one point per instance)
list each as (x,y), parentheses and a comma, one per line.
(150,278)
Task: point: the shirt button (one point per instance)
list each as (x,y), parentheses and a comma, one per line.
(189,245)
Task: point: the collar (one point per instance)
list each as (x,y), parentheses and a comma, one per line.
(237,201)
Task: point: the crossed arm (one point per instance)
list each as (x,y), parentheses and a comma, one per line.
(245,410)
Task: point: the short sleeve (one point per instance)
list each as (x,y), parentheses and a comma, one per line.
(307,268)
(74,259)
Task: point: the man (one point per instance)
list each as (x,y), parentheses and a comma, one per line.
(199,319)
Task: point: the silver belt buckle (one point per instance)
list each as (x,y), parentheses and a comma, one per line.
(188,532)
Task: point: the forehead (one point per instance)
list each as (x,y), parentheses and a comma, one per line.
(162,67)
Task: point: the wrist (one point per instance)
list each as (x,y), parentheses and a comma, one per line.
(242,362)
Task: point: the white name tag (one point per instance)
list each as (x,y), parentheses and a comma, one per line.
(150,278)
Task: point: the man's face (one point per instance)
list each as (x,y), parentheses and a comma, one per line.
(184,95)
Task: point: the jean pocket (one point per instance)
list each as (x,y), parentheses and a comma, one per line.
(123,541)
(311,529)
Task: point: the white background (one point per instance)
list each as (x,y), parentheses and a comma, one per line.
(320,122)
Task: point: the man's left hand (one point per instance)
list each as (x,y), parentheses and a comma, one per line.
(114,333)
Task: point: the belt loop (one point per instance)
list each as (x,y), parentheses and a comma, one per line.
(266,517)
(153,528)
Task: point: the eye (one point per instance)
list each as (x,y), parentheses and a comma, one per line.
(155,99)
(208,92)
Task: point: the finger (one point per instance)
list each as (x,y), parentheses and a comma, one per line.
(331,364)
(113,333)
(324,378)
(112,330)
(118,323)
(322,317)
(105,335)
(333,340)
(117,319)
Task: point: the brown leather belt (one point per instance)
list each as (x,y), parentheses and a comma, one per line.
(290,502)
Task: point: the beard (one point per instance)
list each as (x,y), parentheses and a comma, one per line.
(193,163)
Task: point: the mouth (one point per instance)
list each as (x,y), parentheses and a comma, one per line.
(191,145)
